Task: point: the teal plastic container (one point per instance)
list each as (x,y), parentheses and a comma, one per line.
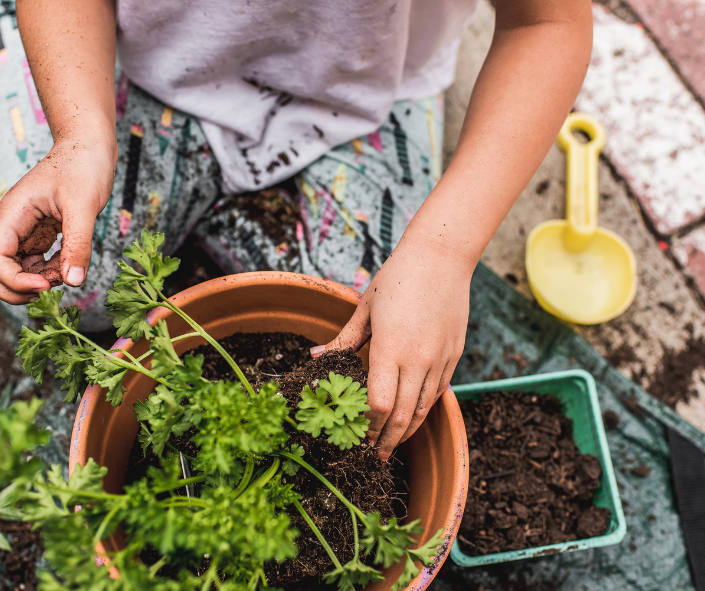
(576,391)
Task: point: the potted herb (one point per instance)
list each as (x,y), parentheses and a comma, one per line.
(218,528)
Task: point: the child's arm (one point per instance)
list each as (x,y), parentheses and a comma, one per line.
(416,308)
(70,46)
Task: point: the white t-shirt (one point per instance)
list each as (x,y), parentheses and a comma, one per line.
(278,83)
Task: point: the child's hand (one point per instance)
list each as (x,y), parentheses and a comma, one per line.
(415,311)
(64,192)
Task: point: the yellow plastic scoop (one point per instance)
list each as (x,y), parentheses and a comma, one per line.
(576,270)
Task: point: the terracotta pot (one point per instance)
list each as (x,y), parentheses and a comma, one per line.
(317,309)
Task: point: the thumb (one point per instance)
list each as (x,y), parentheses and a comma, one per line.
(354,334)
(77,227)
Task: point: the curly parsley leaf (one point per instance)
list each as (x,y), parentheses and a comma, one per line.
(290,467)
(234,425)
(337,408)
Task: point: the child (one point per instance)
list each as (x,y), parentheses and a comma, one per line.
(342,96)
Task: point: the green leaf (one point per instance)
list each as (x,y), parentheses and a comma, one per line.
(233,425)
(88,478)
(353,573)
(407,575)
(129,305)
(18,435)
(5,544)
(54,341)
(337,408)
(150,259)
(290,467)
(392,539)
(164,357)
(105,372)
(427,553)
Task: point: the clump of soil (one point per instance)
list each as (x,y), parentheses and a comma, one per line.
(611,420)
(358,473)
(529,484)
(21,563)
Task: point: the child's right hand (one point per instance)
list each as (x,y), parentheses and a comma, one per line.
(64,192)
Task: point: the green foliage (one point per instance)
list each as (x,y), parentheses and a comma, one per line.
(134,294)
(19,434)
(353,573)
(337,408)
(239,516)
(233,426)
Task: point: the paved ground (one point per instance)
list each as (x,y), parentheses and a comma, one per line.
(646,85)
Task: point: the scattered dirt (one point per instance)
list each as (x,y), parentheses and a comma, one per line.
(672,382)
(20,564)
(642,471)
(611,420)
(365,480)
(529,484)
(632,404)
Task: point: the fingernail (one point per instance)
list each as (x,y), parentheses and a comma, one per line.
(317,350)
(76,276)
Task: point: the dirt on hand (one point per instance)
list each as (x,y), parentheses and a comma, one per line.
(529,484)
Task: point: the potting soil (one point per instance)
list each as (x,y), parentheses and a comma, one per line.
(509,335)
(529,484)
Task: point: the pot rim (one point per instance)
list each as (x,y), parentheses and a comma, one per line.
(454,512)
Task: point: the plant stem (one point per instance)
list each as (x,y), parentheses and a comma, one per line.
(199,329)
(212,571)
(292,422)
(318,534)
(183,502)
(245,480)
(267,476)
(106,521)
(352,508)
(180,483)
(173,340)
(355,533)
(155,568)
(80,493)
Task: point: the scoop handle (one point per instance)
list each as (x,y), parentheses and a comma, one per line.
(581,178)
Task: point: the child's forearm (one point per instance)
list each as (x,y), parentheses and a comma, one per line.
(534,70)
(70,46)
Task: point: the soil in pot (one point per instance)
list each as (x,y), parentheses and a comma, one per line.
(529,484)
(20,564)
(365,480)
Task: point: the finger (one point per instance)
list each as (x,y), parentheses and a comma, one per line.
(446,376)
(354,334)
(15,281)
(408,391)
(16,223)
(382,382)
(14,298)
(76,244)
(427,398)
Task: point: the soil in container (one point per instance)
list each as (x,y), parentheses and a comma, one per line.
(358,473)
(21,563)
(529,484)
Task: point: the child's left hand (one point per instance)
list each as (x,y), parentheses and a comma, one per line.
(415,311)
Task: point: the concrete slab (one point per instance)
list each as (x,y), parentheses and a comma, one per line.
(679,28)
(656,128)
(665,315)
